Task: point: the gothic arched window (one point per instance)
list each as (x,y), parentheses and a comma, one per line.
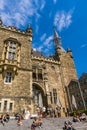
(11,49)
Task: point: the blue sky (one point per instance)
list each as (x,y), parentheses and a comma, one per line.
(68,16)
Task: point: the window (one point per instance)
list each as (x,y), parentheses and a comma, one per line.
(85,81)
(11,50)
(86,102)
(34,73)
(11,106)
(80,103)
(55,96)
(53,67)
(84,91)
(37,74)
(5,104)
(51,97)
(8,77)
(0,106)
(40,74)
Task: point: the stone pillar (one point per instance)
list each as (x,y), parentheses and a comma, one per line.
(47,92)
(31,94)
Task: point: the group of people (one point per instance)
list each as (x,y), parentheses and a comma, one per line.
(38,121)
(44,112)
(80,117)
(25,115)
(76,118)
(4,118)
(49,111)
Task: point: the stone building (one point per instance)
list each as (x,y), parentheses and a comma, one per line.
(27,77)
(83,84)
(78,90)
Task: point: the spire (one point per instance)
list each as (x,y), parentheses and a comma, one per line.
(55,33)
(29,30)
(29,27)
(57,39)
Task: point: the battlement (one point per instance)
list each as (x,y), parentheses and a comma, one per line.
(14,29)
(45,59)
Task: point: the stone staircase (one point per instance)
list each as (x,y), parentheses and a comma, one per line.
(48,124)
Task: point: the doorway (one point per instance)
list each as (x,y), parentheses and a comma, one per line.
(39,97)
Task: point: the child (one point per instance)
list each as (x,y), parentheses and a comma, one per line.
(40,122)
(33,126)
(19,122)
(65,125)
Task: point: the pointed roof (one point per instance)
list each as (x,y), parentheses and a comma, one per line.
(56,34)
(29,29)
(57,40)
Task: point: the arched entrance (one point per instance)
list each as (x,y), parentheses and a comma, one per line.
(39,98)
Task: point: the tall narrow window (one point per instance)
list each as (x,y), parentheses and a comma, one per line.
(34,73)
(11,50)
(51,97)
(5,105)
(11,106)
(0,106)
(8,77)
(55,96)
(40,74)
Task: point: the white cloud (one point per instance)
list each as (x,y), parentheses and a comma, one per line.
(84,45)
(46,45)
(63,19)
(37,28)
(54,1)
(6,18)
(42,4)
(34,49)
(48,41)
(42,38)
(2,4)
(40,48)
(27,7)
(19,12)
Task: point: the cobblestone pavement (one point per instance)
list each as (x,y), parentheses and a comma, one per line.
(48,124)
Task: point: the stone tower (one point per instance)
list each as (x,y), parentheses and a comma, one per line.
(67,67)
(15,69)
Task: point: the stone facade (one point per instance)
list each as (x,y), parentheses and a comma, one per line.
(27,77)
(77,93)
(83,86)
